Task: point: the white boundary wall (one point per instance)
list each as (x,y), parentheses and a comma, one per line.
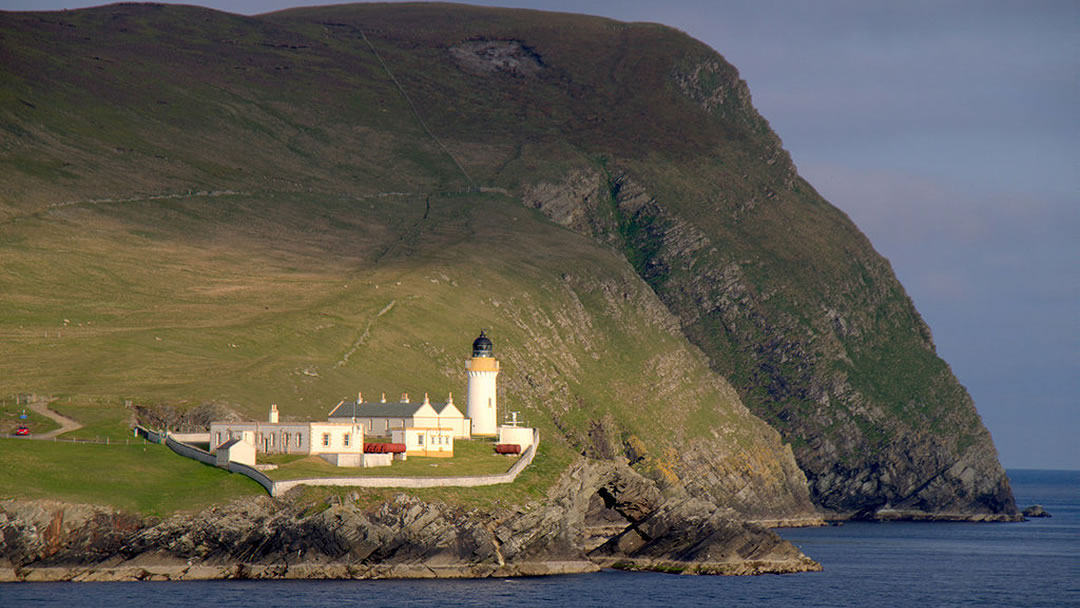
(280,487)
(277,488)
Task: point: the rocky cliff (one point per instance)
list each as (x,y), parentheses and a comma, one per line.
(404,537)
(879,423)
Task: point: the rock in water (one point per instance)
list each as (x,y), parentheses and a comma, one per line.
(1036,511)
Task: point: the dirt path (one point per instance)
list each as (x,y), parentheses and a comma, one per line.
(66,424)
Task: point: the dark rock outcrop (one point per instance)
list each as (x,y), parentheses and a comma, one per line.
(692,536)
(184,420)
(1036,511)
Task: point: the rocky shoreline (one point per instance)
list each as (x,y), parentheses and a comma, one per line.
(300,571)
(910,515)
(600,514)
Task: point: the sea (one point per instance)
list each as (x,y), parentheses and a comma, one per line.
(922,565)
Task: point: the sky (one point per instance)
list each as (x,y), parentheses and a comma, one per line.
(949,132)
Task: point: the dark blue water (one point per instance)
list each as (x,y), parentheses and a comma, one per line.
(1035,563)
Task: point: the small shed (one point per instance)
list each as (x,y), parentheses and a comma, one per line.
(516,435)
(235,450)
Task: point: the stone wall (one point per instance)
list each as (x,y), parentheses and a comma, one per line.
(258,476)
(280,487)
(277,488)
(190,451)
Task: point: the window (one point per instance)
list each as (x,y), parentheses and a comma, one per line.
(272,439)
(326,439)
(284,439)
(217,441)
(299,440)
(420,439)
(345,440)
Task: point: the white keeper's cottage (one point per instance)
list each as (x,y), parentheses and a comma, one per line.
(330,438)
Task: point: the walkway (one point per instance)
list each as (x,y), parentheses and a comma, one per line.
(66,424)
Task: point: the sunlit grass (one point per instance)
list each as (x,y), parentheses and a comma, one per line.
(140,477)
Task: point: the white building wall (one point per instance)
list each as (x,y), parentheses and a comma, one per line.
(242,452)
(291,437)
(220,432)
(330,437)
(358,460)
(482,406)
(461,427)
(519,435)
(425,442)
(281,438)
(383,427)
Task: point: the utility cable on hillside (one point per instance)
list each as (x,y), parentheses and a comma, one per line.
(415,112)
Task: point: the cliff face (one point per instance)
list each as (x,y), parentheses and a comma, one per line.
(821,341)
(404,537)
(317,201)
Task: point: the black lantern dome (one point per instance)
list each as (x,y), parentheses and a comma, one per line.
(482,347)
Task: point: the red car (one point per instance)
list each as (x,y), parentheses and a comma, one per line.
(22,430)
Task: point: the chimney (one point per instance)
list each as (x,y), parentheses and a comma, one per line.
(404,397)
(359,398)
(383,398)
(273,413)
(426,401)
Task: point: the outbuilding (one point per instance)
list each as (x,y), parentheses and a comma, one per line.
(235,450)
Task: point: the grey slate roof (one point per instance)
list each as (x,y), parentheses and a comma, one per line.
(441,408)
(228,444)
(352,409)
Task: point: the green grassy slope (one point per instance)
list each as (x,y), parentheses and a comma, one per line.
(147,479)
(305,300)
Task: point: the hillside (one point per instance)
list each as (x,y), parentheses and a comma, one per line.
(201,207)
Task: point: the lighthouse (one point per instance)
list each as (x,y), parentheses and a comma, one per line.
(481,406)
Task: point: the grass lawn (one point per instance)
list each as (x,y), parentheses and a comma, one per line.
(100,421)
(148,479)
(471,457)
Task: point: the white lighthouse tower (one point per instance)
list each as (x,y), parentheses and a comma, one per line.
(481,405)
